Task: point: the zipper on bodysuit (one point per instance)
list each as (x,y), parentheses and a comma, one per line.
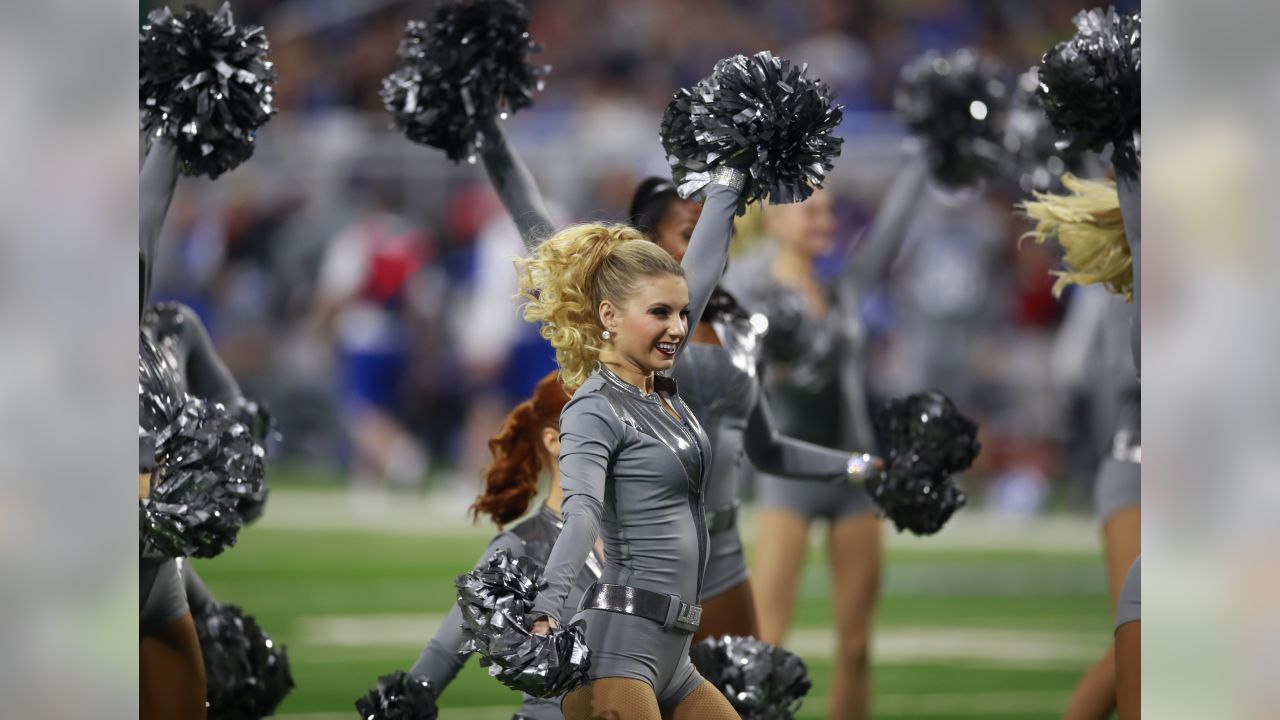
(696,506)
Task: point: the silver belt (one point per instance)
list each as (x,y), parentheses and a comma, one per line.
(666,609)
(722,519)
(1124,449)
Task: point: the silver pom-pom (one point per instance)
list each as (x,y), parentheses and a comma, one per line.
(205,84)
(761,681)
(495,600)
(954,104)
(761,115)
(207,464)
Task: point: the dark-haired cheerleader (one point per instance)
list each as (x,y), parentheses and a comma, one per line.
(205,87)
(171,669)
(525,447)
(247,674)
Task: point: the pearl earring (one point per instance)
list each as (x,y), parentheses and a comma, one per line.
(606,334)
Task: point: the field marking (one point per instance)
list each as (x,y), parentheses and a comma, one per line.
(444,514)
(1038,649)
(985,704)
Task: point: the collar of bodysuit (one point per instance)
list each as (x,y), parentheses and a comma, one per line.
(661,384)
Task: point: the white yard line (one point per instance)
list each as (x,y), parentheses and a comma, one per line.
(986,705)
(1038,649)
(444,514)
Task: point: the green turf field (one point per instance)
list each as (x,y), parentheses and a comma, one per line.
(984,628)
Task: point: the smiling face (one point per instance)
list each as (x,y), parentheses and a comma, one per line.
(647,328)
(676,227)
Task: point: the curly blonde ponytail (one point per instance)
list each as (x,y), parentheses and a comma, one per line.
(569,276)
(1087,223)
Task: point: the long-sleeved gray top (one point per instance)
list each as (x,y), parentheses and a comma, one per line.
(1129,190)
(441,660)
(720,384)
(156,183)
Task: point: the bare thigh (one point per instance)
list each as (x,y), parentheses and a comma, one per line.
(1122,541)
(854,554)
(782,537)
(171,673)
(1129,671)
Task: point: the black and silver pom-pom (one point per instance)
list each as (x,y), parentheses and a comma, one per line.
(1032,158)
(761,681)
(495,600)
(205,85)
(160,396)
(954,104)
(247,673)
(927,441)
(466,66)
(254,415)
(1091,86)
(399,696)
(760,114)
(207,464)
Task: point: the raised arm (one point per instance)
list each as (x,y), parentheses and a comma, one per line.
(590,434)
(773,452)
(516,188)
(441,659)
(1130,193)
(207,376)
(156,182)
(708,251)
(869,261)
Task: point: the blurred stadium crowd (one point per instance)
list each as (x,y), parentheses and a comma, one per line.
(362,285)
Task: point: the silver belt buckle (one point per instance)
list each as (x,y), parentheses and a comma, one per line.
(689,617)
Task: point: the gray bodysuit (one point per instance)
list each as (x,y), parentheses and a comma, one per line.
(1101,323)
(722,388)
(636,476)
(533,537)
(817,374)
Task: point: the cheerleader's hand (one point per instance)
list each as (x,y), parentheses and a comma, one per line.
(543,626)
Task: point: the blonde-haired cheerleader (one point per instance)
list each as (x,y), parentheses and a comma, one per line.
(633,458)
(1098,223)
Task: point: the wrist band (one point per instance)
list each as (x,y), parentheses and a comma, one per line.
(729,177)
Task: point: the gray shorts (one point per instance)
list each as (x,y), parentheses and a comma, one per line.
(726,564)
(539,709)
(812,500)
(161,595)
(1118,486)
(627,646)
(1129,608)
